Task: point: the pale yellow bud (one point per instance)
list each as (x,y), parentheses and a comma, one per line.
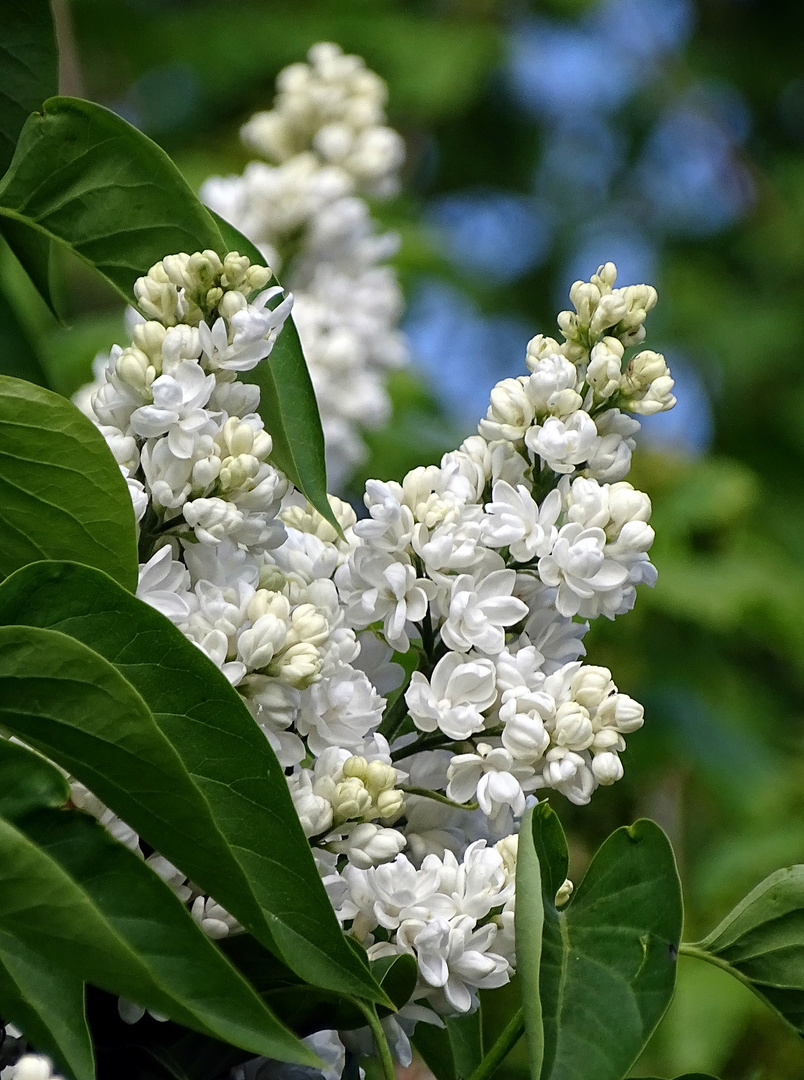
(355,766)
(263,602)
(390,803)
(135,369)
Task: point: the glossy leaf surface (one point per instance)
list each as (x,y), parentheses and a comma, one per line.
(61,492)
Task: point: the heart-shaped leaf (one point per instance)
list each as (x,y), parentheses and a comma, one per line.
(61,492)
(761,942)
(206,789)
(608,957)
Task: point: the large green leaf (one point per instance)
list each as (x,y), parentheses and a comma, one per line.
(62,495)
(28,67)
(86,179)
(609,955)
(223,812)
(686,1076)
(761,942)
(87,904)
(287,400)
(46,1003)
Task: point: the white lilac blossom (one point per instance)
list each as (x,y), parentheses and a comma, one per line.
(325,147)
(483,570)
(30,1067)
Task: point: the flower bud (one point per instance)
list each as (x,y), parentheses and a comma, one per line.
(607,767)
(564,893)
(258,645)
(390,803)
(573,727)
(350,800)
(135,369)
(264,601)
(591,685)
(299,665)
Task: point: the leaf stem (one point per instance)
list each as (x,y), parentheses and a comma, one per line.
(394,717)
(436,797)
(432,742)
(686,949)
(380,1040)
(512,1033)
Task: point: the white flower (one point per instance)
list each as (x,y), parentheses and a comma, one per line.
(178,408)
(32,1067)
(165,584)
(493,778)
(339,710)
(552,386)
(384,588)
(570,773)
(456,956)
(525,714)
(510,412)
(366,844)
(514,520)
(563,444)
(603,373)
(458,691)
(476,883)
(402,892)
(478,611)
(607,767)
(579,568)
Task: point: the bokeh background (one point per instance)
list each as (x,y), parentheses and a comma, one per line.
(544,138)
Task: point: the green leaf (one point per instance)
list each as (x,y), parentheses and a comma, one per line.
(288,403)
(687,1076)
(48,1005)
(761,942)
(466,1036)
(28,67)
(28,782)
(86,179)
(19,355)
(609,955)
(536,875)
(205,789)
(454,1052)
(397,975)
(62,495)
(102,914)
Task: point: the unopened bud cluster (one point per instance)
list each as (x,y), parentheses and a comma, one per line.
(328,146)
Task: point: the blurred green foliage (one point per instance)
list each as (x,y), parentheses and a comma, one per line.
(716,651)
